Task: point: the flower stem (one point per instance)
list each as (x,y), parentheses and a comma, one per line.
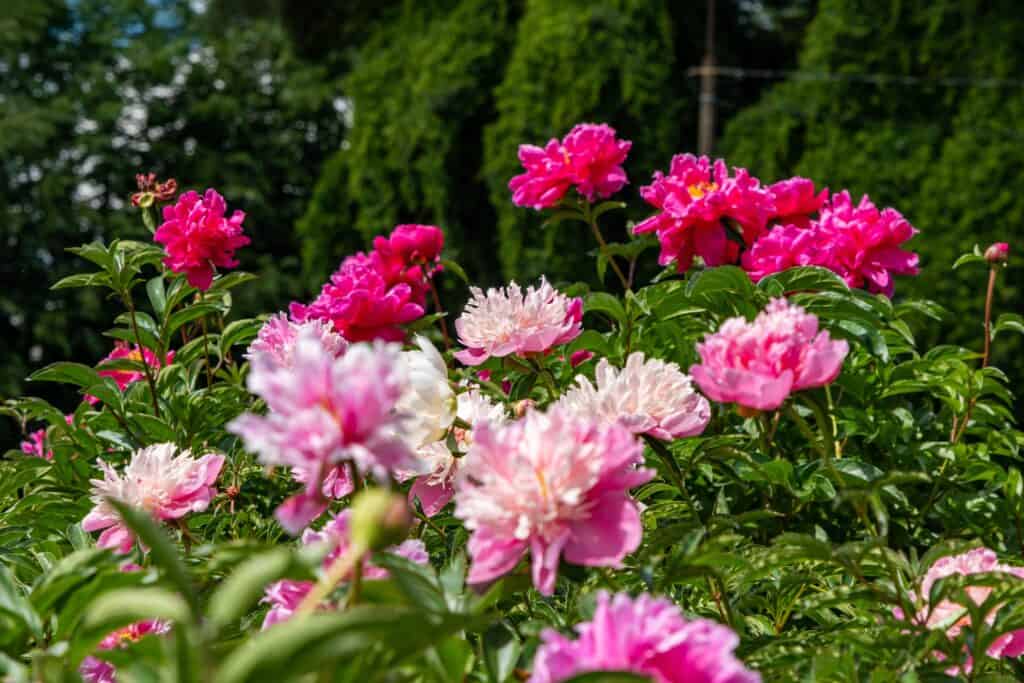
(603,246)
(335,574)
(437,308)
(959,427)
(127,296)
(206,345)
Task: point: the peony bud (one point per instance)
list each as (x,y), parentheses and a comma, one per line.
(380,519)
(523,407)
(997,253)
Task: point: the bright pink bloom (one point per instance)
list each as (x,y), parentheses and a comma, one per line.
(285,596)
(643,635)
(579,357)
(997,253)
(325,411)
(125,377)
(646,397)
(510,321)
(276,339)
(789,246)
(695,200)
(795,201)
(410,254)
(866,243)
(361,303)
(758,364)
(94,670)
(35,445)
(590,158)
(163,482)
(198,238)
(550,485)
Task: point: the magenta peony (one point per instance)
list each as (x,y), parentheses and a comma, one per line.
(795,201)
(646,397)
(276,339)
(198,238)
(325,411)
(285,596)
(410,254)
(35,445)
(695,200)
(159,480)
(647,636)
(510,321)
(122,351)
(550,485)
(589,158)
(789,246)
(95,670)
(758,364)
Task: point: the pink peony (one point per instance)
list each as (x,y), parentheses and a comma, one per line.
(410,254)
(361,303)
(952,617)
(795,201)
(579,357)
(758,364)
(646,397)
(695,200)
(325,411)
(789,246)
(163,482)
(997,253)
(590,158)
(35,445)
(549,484)
(276,339)
(286,595)
(122,351)
(647,636)
(866,243)
(94,670)
(510,321)
(198,238)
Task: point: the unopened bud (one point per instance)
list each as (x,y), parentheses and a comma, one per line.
(524,406)
(997,253)
(380,519)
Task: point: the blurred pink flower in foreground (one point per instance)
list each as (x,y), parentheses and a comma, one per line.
(512,321)
(694,201)
(286,595)
(550,485)
(159,480)
(590,158)
(95,670)
(643,635)
(646,397)
(758,364)
(122,351)
(795,200)
(198,238)
(952,617)
(325,411)
(277,338)
(35,445)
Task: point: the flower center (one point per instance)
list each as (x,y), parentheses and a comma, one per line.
(700,189)
(135,355)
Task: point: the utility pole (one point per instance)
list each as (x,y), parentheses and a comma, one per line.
(706,122)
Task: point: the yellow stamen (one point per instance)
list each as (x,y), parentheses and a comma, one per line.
(700,189)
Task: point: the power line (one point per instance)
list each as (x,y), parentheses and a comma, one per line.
(740,73)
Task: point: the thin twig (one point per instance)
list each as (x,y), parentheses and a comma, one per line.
(603,246)
(438,309)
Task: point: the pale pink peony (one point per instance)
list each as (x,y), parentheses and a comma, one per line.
(35,445)
(795,200)
(198,238)
(647,636)
(589,158)
(325,411)
(95,670)
(160,480)
(758,364)
(510,321)
(866,242)
(695,200)
(952,617)
(276,339)
(124,378)
(550,485)
(285,596)
(647,397)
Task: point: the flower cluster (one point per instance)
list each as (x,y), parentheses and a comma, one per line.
(285,596)
(646,636)
(199,238)
(159,480)
(758,364)
(589,158)
(372,295)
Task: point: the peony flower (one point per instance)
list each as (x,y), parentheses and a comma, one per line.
(276,339)
(198,238)
(94,670)
(590,158)
(428,399)
(285,596)
(35,445)
(952,617)
(160,480)
(122,351)
(435,487)
(325,411)
(647,636)
(410,254)
(789,246)
(795,201)
(758,364)
(550,485)
(646,397)
(866,243)
(997,253)
(509,320)
(361,304)
(695,200)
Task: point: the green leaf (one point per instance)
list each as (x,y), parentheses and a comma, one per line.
(603,302)
(97,253)
(418,583)
(501,648)
(82,280)
(454,267)
(1008,322)
(240,332)
(157,295)
(187,315)
(240,591)
(803,279)
(229,281)
(67,373)
(16,607)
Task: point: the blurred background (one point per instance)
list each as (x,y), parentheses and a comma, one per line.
(329,122)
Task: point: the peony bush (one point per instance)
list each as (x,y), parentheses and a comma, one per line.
(743,469)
